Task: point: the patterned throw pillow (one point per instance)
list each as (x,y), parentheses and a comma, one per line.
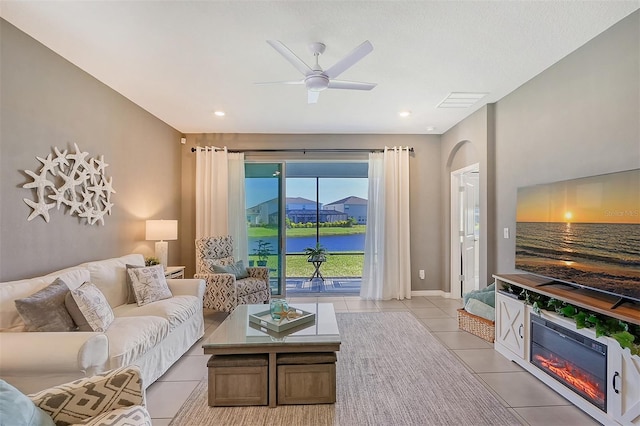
(45,310)
(131,295)
(149,284)
(94,307)
(238,270)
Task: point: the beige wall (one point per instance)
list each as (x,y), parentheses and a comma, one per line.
(47,102)
(425,200)
(580,117)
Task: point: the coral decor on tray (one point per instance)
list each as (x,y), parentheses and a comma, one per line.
(77,182)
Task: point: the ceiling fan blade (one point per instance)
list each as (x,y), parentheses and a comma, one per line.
(312,97)
(353,85)
(290,56)
(281,82)
(354,56)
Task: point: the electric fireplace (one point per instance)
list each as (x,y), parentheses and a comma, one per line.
(572,359)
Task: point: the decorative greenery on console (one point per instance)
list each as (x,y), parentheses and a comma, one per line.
(624,333)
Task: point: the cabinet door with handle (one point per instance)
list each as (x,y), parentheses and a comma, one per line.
(511,325)
(623,376)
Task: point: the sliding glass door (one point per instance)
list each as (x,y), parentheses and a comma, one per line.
(264,189)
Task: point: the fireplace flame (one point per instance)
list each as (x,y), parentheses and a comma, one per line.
(573,376)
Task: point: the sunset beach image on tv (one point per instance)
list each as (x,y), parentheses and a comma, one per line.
(583,231)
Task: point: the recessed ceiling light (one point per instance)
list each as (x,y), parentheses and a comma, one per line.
(219,113)
(430,129)
(404,113)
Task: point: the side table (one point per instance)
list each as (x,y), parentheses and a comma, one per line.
(174,272)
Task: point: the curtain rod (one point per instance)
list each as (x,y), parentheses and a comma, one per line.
(303,150)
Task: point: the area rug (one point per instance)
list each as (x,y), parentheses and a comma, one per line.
(390,371)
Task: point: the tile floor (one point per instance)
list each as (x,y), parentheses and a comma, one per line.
(528,398)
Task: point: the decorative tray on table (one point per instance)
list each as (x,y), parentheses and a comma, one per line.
(263,319)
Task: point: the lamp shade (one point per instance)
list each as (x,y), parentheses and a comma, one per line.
(159,230)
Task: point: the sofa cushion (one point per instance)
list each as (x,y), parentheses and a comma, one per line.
(45,310)
(88,306)
(131,337)
(17,409)
(109,276)
(176,310)
(149,284)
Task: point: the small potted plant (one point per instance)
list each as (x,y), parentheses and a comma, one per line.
(316,254)
(262,251)
(151,260)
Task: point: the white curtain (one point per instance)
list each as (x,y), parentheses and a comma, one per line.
(387,265)
(220,197)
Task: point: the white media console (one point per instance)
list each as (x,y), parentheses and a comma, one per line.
(620,385)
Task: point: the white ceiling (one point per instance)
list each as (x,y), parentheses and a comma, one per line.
(182,60)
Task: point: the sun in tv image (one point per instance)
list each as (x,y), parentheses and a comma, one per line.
(583,231)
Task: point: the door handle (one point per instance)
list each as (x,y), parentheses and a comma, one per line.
(613,382)
(520,329)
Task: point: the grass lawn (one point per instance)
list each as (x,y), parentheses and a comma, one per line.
(260,232)
(337,265)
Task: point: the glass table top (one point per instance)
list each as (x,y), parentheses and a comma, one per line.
(236,330)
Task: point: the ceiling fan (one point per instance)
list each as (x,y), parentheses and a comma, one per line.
(316,79)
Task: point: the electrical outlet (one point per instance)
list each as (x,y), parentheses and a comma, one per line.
(422,274)
(506,233)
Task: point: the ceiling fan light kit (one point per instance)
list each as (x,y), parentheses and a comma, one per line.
(316,79)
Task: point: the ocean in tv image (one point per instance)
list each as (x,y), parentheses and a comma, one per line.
(583,231)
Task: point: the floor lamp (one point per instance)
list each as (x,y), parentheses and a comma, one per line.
(159,231)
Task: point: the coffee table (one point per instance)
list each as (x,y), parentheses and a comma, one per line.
(237,335)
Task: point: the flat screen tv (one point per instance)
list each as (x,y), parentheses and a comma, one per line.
(583,232)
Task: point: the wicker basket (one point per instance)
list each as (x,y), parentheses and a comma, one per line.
(476,325)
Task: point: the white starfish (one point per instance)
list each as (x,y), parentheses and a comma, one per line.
(78,158)
(39,181)
(39,208)
(107,186)
(98,216)
(88,214)
(74,205)
(100,164)
(48,164)
(107,206)
(61,157)
(58,196)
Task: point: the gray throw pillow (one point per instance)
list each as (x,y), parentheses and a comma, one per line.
(237,269)
(45,310)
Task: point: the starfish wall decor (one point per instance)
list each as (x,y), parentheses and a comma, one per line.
(82,186)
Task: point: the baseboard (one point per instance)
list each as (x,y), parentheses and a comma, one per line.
(440,293)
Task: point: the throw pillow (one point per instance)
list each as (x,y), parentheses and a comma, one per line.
(131,295)
(45,310)
(149,284)
(18,409)
(76,313)
(236,269)
(93,306)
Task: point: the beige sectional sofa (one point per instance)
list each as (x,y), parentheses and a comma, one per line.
(152,337)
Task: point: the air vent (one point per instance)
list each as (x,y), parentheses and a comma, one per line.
(461,99)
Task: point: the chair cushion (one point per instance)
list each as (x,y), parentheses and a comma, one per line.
(250,285)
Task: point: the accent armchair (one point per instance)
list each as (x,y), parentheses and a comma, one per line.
(114,398)
(224,291)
